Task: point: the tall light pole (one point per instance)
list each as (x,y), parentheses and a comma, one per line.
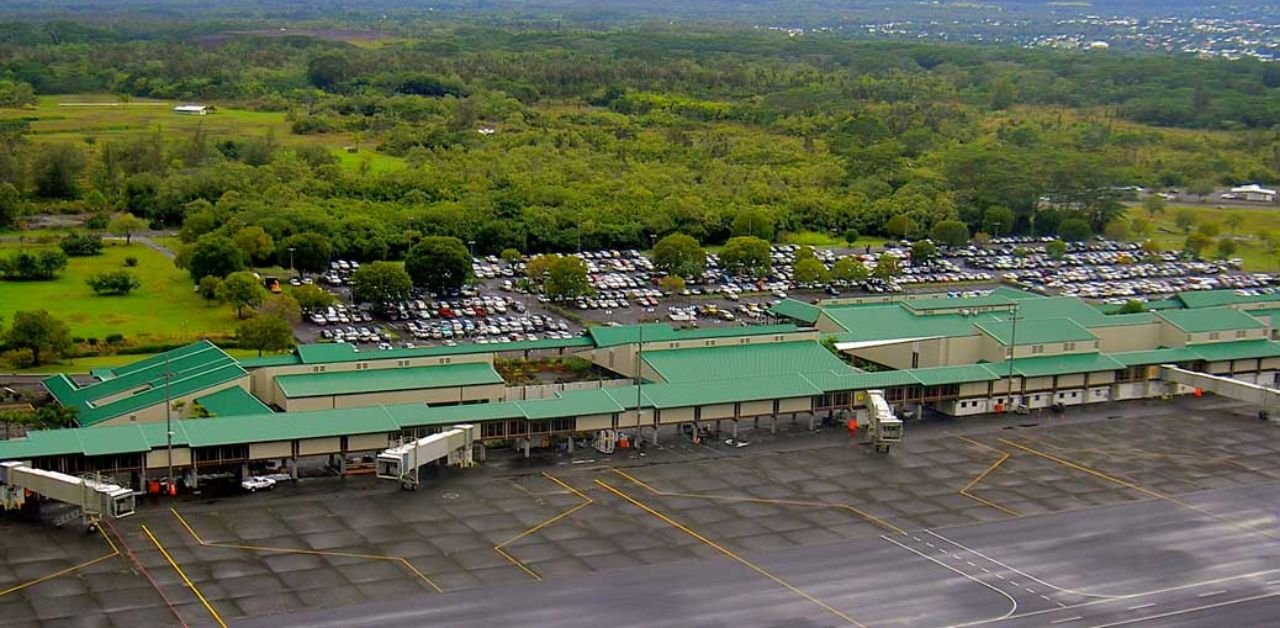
(291,271)
(1013,346)
(168,418)
(471,248)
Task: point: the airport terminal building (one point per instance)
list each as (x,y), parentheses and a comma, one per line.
(930,354)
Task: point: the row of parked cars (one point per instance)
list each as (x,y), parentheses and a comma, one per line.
(339,314)
(492,327)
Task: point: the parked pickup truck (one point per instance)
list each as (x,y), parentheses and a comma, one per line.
(257,483)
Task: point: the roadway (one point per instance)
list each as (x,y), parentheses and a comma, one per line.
(1208,558)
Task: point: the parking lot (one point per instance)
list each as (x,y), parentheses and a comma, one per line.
(500,307)
(329,542)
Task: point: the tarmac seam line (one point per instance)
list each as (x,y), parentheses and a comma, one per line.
(723,550)
(501,547)
(115,551)
(761,500)
(1137,487)
(404,562)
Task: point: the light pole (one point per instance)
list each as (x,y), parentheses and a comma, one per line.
(168,419)
(1013,346)
(471,248)
(291,271)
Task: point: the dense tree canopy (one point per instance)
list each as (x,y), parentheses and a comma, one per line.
(380,284)
(439,264)
(679,254)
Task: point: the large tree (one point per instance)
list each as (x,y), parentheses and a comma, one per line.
(850,270)
(753,222)
(679,254)
(311,252)
(810,271)
(242,290)
(567,279)
(56,171)
(40,332)
(746,255)
(125,225)
(950,233)
(1075,230)
(439,264)
(311,297)
(265,332)
(256,244)
(214,256)
(380,284)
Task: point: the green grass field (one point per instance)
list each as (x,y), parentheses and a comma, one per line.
(1249,246)
(79,117)
(164,310)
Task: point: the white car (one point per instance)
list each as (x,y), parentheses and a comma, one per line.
(258,483)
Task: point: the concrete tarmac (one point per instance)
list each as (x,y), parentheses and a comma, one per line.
(1204,559)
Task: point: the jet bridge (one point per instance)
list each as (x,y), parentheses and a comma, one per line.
(1263,397)
(885,429)
(403,461)
(92,498)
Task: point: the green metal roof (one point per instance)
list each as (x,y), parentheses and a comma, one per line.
(260,428)
(328,353)
(1036,331)
(142,384)
(796,310)
(285,359)
(886,322)
(729,391)
(831,381)
(1168,355)
(661,332)
(739,361)
(1215,298)
(570,404)
(948,303)
(418,415)
(943,375)
(1240,350)
(1066,364)
(1207,319)
(387,379)
(232,401)
(1016,294)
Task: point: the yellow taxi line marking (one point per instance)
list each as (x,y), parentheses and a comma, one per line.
(288,550)
(501,547)
(761,500)
(723,550)
(185,580)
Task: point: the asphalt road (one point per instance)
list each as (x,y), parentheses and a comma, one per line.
(1210,558)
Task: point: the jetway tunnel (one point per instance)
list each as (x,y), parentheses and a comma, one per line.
(1263,397)
(92,497)
(403,461)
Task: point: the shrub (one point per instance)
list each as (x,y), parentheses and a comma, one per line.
(131,261)
(115,282)
(20,358)
(38,265)
(97,222)
(115,339)
(81,245)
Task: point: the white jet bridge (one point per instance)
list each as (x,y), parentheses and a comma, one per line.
(1264,397)
(403,461)
(884,428)
(92,497)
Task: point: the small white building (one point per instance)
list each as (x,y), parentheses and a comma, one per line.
(192,110)
(1254,192)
